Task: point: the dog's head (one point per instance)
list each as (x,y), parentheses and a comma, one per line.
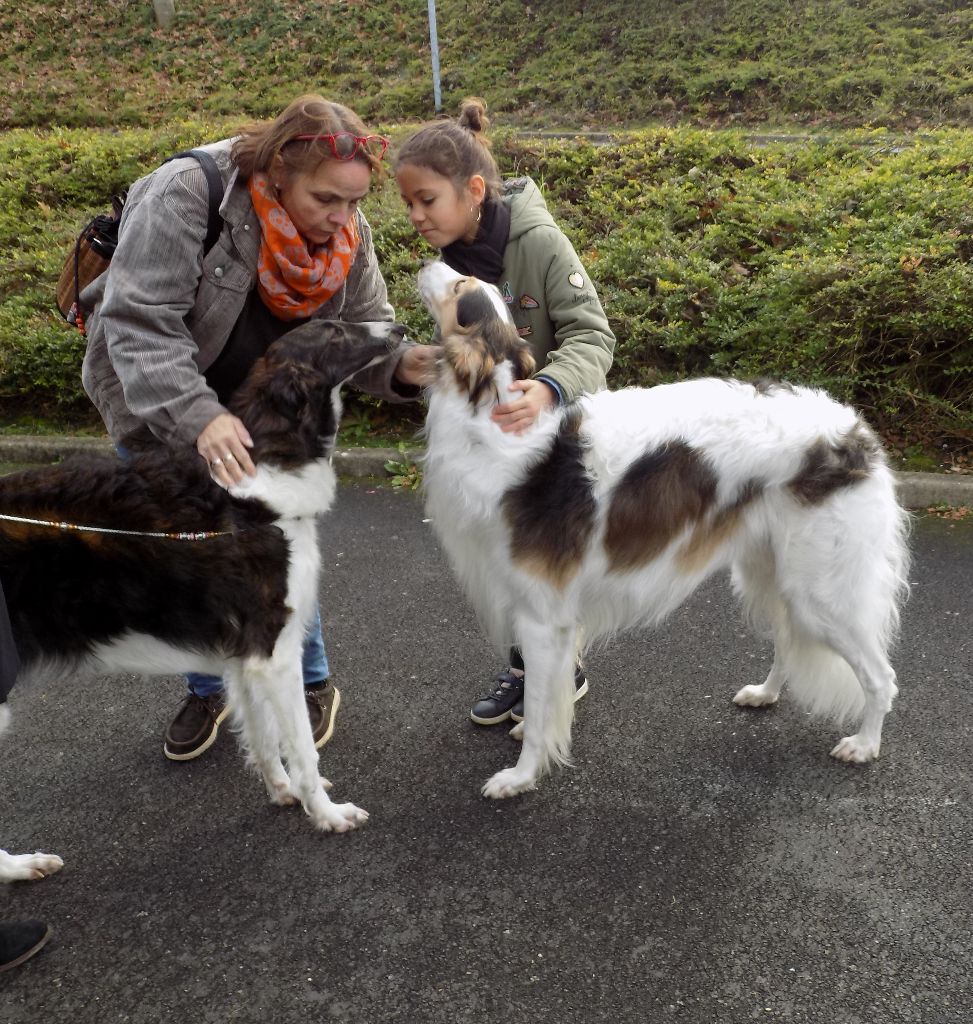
(290,400)
(475,329)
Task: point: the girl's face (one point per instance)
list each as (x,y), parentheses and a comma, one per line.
(440,213)
(321,202)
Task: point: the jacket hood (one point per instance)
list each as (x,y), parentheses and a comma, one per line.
(527,207)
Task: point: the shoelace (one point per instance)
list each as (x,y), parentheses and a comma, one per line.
(503,678)
(213,711)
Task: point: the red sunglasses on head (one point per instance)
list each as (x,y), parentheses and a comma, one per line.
(346,146)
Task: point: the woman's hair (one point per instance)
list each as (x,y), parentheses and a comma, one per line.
(260,143)
(455,149)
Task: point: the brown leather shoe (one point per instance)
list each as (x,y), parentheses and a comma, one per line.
(322,708)
(195,727)
(20,941)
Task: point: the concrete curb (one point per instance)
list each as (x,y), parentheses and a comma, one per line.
(916,490)
(39,450)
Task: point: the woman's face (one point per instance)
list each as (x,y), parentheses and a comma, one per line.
(321,202)
(440,213)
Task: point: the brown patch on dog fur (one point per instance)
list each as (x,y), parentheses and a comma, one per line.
(661,494)
(551,515)
(828,467)
(715,530)
(476,340)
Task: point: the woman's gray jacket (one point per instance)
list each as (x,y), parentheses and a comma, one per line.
(162,313)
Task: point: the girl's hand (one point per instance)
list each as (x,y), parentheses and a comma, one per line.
(418,365)
(520,414)
(223,444)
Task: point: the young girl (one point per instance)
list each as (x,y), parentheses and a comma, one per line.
(502,232)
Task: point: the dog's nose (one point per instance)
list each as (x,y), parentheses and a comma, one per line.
(397,332)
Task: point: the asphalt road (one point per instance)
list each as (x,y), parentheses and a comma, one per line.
(700,863)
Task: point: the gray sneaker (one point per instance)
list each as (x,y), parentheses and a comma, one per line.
(494,707)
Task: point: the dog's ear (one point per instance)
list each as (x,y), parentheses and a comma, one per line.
(472,362)
(523,361)
(292,388)
(474,307)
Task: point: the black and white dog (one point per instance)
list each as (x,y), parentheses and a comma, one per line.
(150,566)
(608,513)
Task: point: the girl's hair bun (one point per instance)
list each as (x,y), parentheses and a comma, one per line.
(473,115)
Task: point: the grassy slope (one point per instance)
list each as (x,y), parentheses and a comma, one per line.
(552,62)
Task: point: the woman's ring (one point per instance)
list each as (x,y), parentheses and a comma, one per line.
(216,462)
(228,456)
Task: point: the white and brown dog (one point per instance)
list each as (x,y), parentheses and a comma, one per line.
(609,512)
(162,571)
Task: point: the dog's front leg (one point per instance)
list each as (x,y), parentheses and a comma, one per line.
(256,723)
(548,707)
(286,694)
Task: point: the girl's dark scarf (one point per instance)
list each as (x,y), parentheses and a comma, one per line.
(483,257)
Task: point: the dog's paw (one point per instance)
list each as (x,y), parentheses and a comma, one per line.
(509,782)
(755,697)
(282,795)
(339,817)
(856,750)
(28,867)
(517,732)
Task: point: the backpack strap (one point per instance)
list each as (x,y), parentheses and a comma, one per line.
(214,182)
(101,236)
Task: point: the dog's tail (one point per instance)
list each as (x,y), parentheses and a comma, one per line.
(820,680)
(851,588)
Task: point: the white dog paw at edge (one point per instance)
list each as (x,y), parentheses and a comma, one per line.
(507,783)
(28,867)
(754,697)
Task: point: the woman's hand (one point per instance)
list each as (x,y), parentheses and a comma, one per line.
(223,444)
(418,365)
(517,416)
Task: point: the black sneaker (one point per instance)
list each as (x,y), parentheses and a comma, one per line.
(580,689)
(196,725)
(20,941)
(322,708)
(494,707)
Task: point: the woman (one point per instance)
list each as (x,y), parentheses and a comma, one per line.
(502,232)
(173,330)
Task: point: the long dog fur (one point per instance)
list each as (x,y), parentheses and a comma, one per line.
(608,513)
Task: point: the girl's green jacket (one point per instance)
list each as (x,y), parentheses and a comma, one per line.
(552,299)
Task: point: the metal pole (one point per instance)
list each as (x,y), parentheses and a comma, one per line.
(434,46)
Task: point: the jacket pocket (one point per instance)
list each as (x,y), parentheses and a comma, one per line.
(223,270)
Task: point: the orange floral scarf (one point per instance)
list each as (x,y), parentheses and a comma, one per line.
(292,280)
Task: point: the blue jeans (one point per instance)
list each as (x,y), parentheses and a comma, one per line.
(314,664)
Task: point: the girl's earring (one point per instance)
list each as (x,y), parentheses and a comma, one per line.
(479,212)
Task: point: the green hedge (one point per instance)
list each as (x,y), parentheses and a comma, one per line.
(843,263)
